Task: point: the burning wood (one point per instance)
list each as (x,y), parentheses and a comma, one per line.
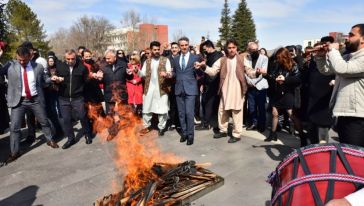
(137,160)
(173,185)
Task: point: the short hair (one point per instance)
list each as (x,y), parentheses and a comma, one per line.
(361,28)
(183,39)
(208,44)
(155,43)
(86,50)
(232,41)
(27,44)
(81,47)
(174,43)
(70,51)
(327,39)
(251,43)
(291,48)
(23,51)
(110,51)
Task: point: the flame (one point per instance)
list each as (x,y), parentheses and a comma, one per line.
(134,154)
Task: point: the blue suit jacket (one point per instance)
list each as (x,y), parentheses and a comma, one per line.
(186,80)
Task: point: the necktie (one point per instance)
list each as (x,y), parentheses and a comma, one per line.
(26,84)
(183,62)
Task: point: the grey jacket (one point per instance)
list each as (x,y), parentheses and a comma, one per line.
(12,70)
(262,63)
(348,95)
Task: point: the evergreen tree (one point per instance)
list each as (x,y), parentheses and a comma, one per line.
(243,26)
(3,31)
(24,25)
(225,21)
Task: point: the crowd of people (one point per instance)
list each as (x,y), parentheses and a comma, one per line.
(188,89)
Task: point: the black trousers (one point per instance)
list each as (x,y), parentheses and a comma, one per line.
(75,106)
(351,130)
(210,107)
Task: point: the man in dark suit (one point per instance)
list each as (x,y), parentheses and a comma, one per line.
(186,89)
(25,92)
(114,79)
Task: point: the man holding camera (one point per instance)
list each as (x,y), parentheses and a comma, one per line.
(347,100)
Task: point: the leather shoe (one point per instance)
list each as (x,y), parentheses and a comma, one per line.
(220,135)
(183,138)
(52,144)
(202,127)
(233,139)
(145,131)
(29,140)
(272,136)
(190,141)
(251,127)
(68,144)
(88,140)
(12,158)
(161,132)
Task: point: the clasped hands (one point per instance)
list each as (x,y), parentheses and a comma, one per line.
(99,75)
(280,79)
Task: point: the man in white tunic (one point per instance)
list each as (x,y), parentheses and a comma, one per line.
(156,72)
(232,90)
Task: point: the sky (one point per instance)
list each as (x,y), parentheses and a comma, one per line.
(278,22)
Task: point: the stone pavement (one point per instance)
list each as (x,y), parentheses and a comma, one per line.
(83,173)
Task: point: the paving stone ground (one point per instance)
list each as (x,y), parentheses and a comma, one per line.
(81,174)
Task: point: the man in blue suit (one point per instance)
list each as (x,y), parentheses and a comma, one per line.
(186,89)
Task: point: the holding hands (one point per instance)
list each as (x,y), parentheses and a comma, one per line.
(199,65)
(57,79)
(280,79)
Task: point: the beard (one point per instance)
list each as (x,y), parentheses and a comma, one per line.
(353,46)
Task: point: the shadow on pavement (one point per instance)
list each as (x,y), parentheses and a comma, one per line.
(24,197)
(24,146)
(283,151)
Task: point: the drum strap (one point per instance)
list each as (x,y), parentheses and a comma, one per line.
(294,176)
(306,170)
(346,164)
(331,184)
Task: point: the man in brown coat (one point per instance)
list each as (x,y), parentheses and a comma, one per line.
(232,89)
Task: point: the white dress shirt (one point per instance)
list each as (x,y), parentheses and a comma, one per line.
(187,57)
(31,80)
(356,198)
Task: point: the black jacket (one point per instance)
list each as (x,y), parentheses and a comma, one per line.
(73,84)
(319,96)
(115,81)
(283,95)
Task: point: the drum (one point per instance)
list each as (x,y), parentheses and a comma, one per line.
(316,174)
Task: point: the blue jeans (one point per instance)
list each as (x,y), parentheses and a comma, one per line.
(256,106)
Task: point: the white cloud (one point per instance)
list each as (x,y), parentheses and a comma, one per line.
(178,4)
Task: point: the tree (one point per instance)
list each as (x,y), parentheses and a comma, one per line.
(91,32)
(243,26)
(225,29)
(60,41)
(4,32)
(131,19)
(24,25)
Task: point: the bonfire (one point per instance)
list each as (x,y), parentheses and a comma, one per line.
(150,177)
